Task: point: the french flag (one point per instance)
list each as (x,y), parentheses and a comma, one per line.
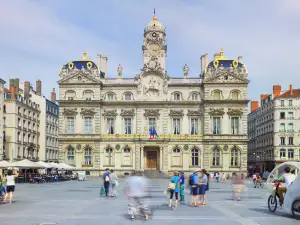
(153,133)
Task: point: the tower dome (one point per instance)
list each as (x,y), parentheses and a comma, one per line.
(154,25)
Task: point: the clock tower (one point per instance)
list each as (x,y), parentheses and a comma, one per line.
(154,47)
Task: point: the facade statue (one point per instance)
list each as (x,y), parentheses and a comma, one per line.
(165,86)
(186,70)
(120,70)
(139,87)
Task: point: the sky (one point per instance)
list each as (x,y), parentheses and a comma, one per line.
(39,36)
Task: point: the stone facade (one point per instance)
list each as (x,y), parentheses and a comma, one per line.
(274,129)
(2,124)
(154,121)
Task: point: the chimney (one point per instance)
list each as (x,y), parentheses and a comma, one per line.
(99,62)
(105,65)
(254,105)
(11,83)
(39,87)
(13,92)
(276,90)
(26,89)
(291,89)
(263,96)
(204,62)
(240,58)
(17,85)
(53,95)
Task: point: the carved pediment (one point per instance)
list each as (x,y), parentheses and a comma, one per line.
(87,112)
(70,112)
(127,112)
(194,112)
(112,113)
(216,112)
(80,76)
(226,75)
(175,112)
(152,112)
(235,112)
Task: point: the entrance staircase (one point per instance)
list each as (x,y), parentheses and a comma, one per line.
(155,174)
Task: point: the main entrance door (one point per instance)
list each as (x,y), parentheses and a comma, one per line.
(151,160)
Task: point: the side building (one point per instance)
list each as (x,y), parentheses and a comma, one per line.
(154,121)
(273,129)
(2,110)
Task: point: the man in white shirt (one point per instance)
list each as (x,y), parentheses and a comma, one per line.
(288,179)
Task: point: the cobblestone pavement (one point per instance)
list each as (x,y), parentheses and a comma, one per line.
(78,203)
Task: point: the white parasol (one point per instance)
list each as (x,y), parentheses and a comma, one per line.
(46,165)
(5,164)
(27,164)
(66,166)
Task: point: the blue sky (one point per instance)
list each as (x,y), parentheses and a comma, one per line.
(38,37)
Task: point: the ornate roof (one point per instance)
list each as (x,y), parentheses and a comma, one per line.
(221,61)
(154,25)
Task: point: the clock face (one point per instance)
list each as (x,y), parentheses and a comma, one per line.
(154,49)
(154,34)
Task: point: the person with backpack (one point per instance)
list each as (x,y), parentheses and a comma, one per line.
(106,181)
(194,182)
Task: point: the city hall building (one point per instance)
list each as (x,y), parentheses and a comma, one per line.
(154,121)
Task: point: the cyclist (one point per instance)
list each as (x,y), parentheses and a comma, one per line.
(258,181)
(288,179)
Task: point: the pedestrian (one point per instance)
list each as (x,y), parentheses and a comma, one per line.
(195,189)
(203,187)
(10,185)
(238,185)
(113,183)
(3,188)
(174,188)
(106,181)
(181,186)
(223,177)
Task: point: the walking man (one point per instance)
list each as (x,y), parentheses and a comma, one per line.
(106,181)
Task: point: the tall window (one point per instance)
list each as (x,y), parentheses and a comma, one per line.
(216,155)
(290,102)
(216,125)
(177,97)
(176,126)
(291,140)
(216,95)
(70,125)
(282,140)
(152,124)
(234,155)
(110,97)
(282,127)
(109,156)
(282,102)
(110,125)
(235,95)
(290,127)
(291,153)
(195,157)
(194,126)
(176,156)
(70,155)
(282,115)
(235,125)
(88,126)
(282,153)
(88,156)
(126,156)
(127,124)
(290,115)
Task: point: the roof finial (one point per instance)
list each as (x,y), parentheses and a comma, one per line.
(221,52)
(84,54)
(154,16)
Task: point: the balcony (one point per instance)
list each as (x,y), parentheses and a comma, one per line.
(87,166)
(282,130)
(24,128)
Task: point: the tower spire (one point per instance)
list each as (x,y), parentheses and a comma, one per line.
(154,18)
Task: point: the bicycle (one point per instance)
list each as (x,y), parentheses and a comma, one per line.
(272,200)
(259,183)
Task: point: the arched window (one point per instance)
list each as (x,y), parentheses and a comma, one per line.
(290,127)
(88,95)
(282,153)
(195,157)
(216,95)
(109,157)
(110,96)
(127,96)
(177,96)
(127,156)
(71,155)
(234,155)
(88,155)
(216,157)
(194,97)
(235,95)
(291,153)
(282,127)
(176,156)
(70,95)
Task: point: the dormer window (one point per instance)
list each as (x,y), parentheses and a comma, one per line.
(128,97)
(216,95)
(176,97)
(235,95)
(70,95)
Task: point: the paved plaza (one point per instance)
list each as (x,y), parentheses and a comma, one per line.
(78,203)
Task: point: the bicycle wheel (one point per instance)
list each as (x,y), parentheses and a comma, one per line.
(262,184)
(296,209)
(272,203)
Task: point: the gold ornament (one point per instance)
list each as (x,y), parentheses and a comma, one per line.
(235,63)
(71,65)
(89,65)
(216,63)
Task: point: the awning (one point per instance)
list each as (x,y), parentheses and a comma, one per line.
(66,166)
(5,164)
(27,164)
(46,165)
(55,165)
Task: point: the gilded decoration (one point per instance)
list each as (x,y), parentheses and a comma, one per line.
(112,112)
(235,112)
(216,112)
(127,112)
(174,112)
(152,112)
(70,112)
(87,112)
(194,112)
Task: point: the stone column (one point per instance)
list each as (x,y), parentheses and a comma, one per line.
(142,158)
(137,157)
(161,158)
